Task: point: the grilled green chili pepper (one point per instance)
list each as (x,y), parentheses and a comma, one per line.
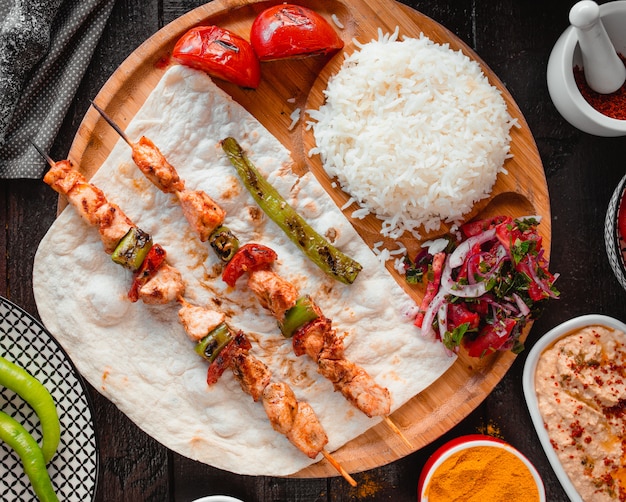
(132,249)
(32,391)
(211,345)
(302,312)
(224,243)
(18,438)
(332,261)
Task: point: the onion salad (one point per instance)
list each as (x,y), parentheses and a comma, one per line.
(483,286)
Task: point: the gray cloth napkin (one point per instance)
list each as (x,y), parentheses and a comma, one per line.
(45,48)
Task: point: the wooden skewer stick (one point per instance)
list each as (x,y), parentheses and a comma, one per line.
(110,121)
(43,154)
(395,429)
(339,468)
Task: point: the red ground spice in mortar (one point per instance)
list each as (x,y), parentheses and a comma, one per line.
(612,105)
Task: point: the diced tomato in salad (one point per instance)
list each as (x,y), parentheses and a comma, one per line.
(486,286)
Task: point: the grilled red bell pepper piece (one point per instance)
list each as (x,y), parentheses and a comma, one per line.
(223,360)
(248,258)
(153,260)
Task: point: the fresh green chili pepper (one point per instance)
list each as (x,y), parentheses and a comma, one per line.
(224,243)
(18,438)
(132,249)
(302,312)
(332,261)
(211,345)
(32,391)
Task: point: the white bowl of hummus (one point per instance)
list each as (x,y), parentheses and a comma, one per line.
(575,388)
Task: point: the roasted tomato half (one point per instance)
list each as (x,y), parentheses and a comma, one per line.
(221,54)
(292,31)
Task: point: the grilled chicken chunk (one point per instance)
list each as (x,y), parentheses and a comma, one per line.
(165,286)
(273,292)
(357,386)
(307,433)
(253,375)
(155,166)
(201,211)
(90,203)
(198,321)
(113,224)
(318,339)
(280,406)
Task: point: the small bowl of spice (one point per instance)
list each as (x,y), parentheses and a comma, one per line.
(478,468)
(600,114)
(615,232)
(574,388)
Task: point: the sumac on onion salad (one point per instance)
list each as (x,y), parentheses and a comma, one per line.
(485,286)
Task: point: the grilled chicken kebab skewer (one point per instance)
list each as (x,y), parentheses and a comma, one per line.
(216,341)
(316,336)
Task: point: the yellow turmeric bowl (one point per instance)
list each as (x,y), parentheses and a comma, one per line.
(477,468)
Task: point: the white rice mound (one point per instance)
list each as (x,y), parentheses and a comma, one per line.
(413,131)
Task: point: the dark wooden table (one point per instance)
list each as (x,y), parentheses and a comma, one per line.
(514,37)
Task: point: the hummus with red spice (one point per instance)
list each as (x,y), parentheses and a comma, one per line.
(581,390)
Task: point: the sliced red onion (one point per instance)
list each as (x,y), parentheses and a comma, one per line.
(460,253)
(442,319)
(463,291)
(538,281)
(521,305)
(507,307)
(474,289)
(429,316)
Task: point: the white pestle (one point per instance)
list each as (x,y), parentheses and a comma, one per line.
(604,70)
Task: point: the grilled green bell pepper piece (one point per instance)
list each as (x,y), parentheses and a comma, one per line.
(224,243)
(211,345)
(302,312)
(132,249)
(327,257)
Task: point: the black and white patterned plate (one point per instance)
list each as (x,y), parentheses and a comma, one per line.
(74,469)
(614,242)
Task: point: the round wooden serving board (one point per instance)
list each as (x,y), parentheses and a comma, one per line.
(287,85)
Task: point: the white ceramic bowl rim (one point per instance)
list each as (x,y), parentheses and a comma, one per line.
(571,42)
(482,442)
(528,382)
(217,498)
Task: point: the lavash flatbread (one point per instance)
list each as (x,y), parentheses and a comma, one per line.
(139,357)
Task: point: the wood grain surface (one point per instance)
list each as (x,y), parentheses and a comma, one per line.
(291,84)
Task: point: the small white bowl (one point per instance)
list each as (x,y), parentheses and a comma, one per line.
(528,382)
(614,242)
(463,443)
(217,498)
(563,90)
